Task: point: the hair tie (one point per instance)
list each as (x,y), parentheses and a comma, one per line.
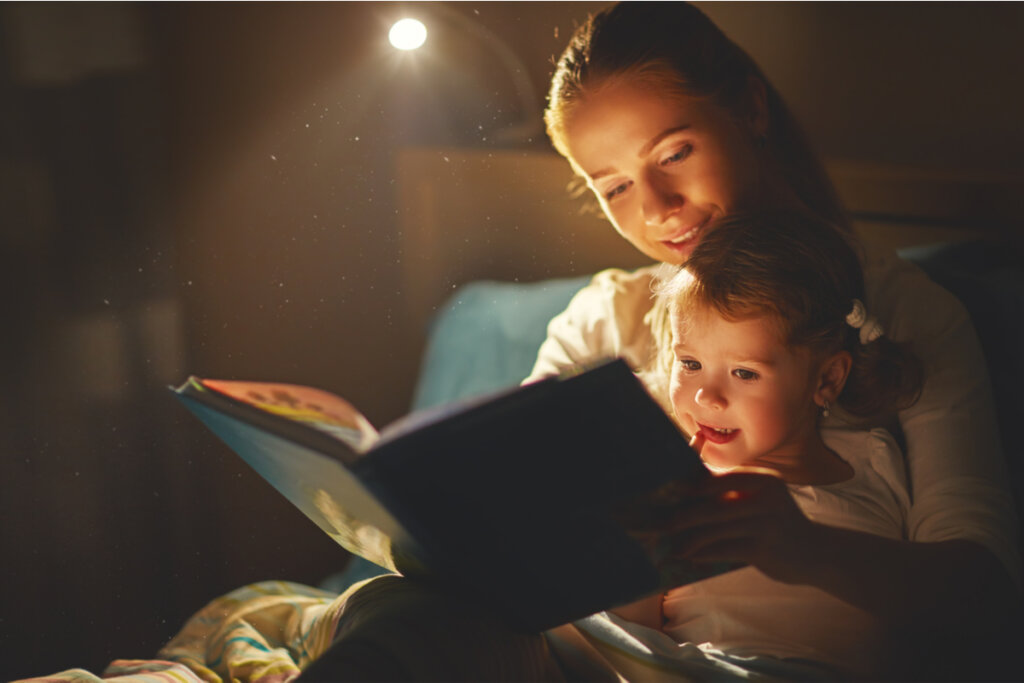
(870,328)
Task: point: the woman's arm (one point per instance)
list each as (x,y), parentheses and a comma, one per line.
(930,591)
(955,460)
(953,586)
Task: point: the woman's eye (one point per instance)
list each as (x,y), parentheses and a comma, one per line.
(745,375)
(617,190)
(681,154)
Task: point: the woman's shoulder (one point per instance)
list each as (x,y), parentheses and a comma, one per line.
(614,296)
(618,282)
(605,318)
(909,304)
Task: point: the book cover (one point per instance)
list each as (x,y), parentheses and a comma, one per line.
(511,498)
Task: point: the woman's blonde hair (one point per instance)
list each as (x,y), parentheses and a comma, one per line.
(804,275)
(674,45)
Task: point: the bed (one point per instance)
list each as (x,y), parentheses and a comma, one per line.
(485,270)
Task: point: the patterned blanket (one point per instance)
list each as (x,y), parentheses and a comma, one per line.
(262,633)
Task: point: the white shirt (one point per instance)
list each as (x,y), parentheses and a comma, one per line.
(745,613)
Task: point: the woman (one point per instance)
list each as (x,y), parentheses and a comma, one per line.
(672,125)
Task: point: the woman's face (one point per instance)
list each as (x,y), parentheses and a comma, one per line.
(663,165)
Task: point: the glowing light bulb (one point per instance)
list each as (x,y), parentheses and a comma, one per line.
(407,34)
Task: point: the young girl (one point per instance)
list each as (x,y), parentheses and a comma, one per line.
(762,333)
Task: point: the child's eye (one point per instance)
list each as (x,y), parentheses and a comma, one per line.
(689,365)
(745,375)
(679,155)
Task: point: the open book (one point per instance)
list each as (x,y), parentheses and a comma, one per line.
(511,498)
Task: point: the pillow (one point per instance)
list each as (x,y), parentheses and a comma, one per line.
(486,336)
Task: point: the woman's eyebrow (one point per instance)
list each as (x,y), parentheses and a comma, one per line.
(648,146)
(645,150)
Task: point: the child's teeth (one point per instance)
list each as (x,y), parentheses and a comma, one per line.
(723,431)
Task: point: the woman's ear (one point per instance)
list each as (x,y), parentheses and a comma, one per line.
(832,374)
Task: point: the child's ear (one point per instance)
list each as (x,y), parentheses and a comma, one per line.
(832,375)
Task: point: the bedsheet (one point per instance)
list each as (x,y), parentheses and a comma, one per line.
(261,633)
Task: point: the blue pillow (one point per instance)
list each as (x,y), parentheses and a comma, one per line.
(486,336)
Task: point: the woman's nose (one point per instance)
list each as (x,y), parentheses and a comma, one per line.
(660,201)
(709,397)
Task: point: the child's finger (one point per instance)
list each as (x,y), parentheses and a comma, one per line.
(697,442)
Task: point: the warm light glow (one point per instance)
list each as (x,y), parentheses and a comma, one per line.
(407,34)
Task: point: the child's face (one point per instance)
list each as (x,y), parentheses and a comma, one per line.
(662,166)
(736,383)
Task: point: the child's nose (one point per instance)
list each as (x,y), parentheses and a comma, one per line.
(710,397)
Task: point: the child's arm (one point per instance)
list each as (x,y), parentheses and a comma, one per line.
(646,611)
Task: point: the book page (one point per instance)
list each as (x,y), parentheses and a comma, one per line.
(313,407)
(331,494)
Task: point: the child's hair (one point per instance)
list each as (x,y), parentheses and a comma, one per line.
(673,45)
(804,275)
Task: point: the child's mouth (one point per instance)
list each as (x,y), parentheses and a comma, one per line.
(718,435)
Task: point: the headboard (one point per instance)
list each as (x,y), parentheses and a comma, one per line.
(468,214)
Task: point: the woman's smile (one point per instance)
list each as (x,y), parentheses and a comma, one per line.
(685,240)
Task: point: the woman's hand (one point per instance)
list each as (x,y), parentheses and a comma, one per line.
(648,518)
(745,516)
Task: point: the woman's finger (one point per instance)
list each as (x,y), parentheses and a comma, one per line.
(735,498)
(692,543)
(705,511)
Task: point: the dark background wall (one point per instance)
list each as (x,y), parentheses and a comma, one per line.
(209,188)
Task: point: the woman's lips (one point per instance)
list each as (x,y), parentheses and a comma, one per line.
(718,435)
(684,240)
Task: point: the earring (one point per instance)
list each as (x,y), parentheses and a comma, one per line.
(825,412)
